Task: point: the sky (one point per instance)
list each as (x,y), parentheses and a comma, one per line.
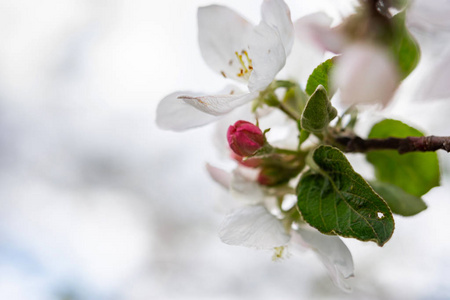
(96,202)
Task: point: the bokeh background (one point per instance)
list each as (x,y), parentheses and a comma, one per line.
(97,203)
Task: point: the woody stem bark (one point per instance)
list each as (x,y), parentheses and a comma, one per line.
(402,145)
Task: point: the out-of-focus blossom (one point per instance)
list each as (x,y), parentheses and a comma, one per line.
(316,28)
(429,17)
(307,52)
(241,183)
(435,83)
(236,49)
(365,74)
(333,253)
(252,225)
(430,23)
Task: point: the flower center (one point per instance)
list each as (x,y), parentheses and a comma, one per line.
(246,66)
(279,253)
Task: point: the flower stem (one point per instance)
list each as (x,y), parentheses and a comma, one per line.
(283,83)
(286,110)
(285,151)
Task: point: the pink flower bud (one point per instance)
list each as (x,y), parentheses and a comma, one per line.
(279,170)
(271,176)
(251,162)
(245,138)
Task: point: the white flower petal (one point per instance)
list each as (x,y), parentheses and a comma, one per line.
(220,176)
(218,105)
(253,226)
(246,189)
(267,54)
(277,14)
(302,61)
(366,74)
(435,83)
(315,28)
(307,52)
(221,33)
(333,253)
(305,26)
(429,17)
(174,114)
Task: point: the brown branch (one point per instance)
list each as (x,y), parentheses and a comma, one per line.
(402,145)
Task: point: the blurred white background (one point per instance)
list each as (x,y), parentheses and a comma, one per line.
(97,203)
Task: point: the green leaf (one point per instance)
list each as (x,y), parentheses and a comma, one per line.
(404,46)
(320,77)
(337,200)
(399,201)
(318,111)
(304,135)
(416,173)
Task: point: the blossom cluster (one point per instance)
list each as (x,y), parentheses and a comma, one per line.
(369,54)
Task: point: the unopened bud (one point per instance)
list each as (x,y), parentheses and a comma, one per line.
(251,162)
(271,176)
(245,138)
(279,170)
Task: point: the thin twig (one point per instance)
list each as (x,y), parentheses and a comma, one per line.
(402,145)
(289,113)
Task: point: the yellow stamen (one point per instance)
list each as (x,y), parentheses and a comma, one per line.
(246,66)
(248,58)
(278,253)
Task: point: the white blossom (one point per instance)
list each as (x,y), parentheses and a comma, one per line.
(332,252)
(236,49)
(365,74)
(252,225)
